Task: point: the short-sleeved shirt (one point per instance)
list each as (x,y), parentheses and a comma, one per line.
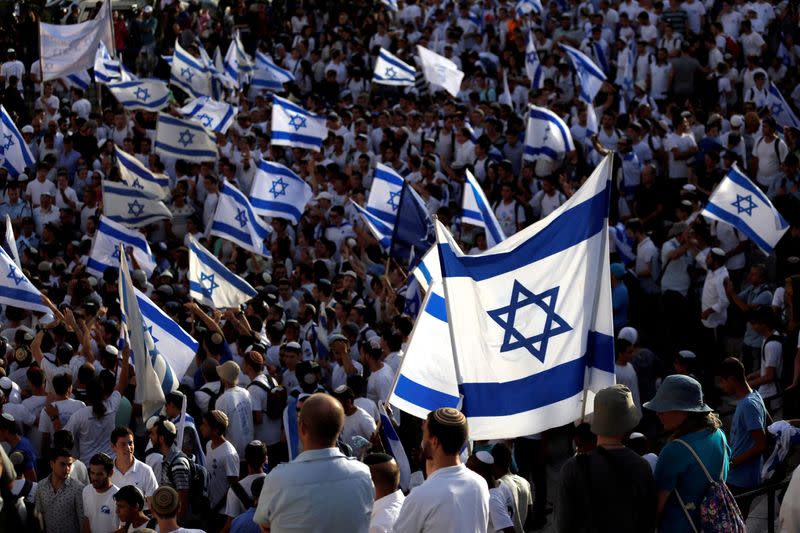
(222,462)
(750,415)
(771,356)
(233,505)
(25,447)
(100,509)
(176,472)
(62,510)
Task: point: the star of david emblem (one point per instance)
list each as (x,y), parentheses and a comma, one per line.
(278,188)
(777,108)
(149,329)
(212,284)
(142,94)
(115,255)
(186,138)
(137,184)
(394,200)
(135,208)
(298,122)
(204,119)
(9,142)
(531,57)
(187,73)
(12,273)
(744,204)
(241,217)
(390,72)
(506,318)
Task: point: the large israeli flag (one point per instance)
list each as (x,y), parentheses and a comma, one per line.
(530,319)
(134,174)
(144,94)
(210,281)
(440,71)
(130,206)
(547,135)
(295,127)
(780,110)
(391,70)
(16,289)
(428,269)
(190,73)
(267,75)
(279,192)
(80,79)
(16,154)
(105,253)
(172,341)
(385,193)
(184,139)
(209,113)
(533,67)
(379,229)
(590,76)
(476,210)
(739,202)
(236,221)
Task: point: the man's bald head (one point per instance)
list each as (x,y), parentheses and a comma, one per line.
(385,473)
(322,419)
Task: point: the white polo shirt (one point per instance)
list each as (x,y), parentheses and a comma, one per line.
(139,475)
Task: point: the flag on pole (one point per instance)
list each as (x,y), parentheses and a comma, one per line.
(144,94)
(173,342)
(81,80)
(590,76)
(106,68)
(293,126)
(105,253)
(16,154)
(210,281)
(16,289)
(184,139)
(190,73)
(268,75)
(547,135)
(129,206)
(413,232)
(238,64)
(211,114)
(391,70)
(505,96)
(385,193)
(476,210)
(379,229)
(533,67)
(739,202)
(428,269)
(440,71)
(393,446)
(10,243)
(279,192)
(526,7)
(780,109)
(134,174)
(236,221)
(530,319)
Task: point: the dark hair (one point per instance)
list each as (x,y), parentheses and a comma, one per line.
(502,456)
(732,368)
(95,397)
(63,439)
(451,438)
(102,459)
(61,383)
(255,456)
(697,422)
(120,431)
(55,453)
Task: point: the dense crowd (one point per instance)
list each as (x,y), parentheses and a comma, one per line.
(706,324)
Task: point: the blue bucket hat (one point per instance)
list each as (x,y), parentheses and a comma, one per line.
(678,393)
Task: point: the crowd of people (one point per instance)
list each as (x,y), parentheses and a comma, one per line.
(706,324)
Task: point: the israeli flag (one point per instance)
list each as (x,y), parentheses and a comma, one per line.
(391,4)
(547,135)
(191,74)
(526,7)
(739,202)
(134,174)
(627,60)
(428,269)
(16,154)
(390,70)
(385,194)
(295,127)
(211,114)
(267,75)
(238,64)
(379,229)
(426,379)
(105,252)
(533,67)
(211,283)
(391,443)
(130,206)
(622,243)
(80,79)
(279,192)
(780,110)
(106,68)
(184,139)
(476,210)
(236,221)
(505,96)
(10,243)
(590,76)
(16,289)
(440,71)
(290,427)
(144,94)
(530,319)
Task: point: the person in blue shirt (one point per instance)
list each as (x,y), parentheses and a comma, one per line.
(619,296)
(680,408)
(9,433)
(748,430)
(244,522)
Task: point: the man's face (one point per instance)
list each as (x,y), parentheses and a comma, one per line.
(126,512)
(61,467)
(124,446)
(98,477)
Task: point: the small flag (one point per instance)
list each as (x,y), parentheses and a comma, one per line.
(533,67)
(129,206)
(134,174)
(279,192)
(295,127)
(390,70)
(105,252)
(413,233)
(393,446)
(106,68)
(428,269)
(505,96)
(190,73)
(16,289)
(210,281)
(385,193)
(211,114)
(379,229)
(475,210)
(80,79)
(267,75)
(184,139)
(780,110)
(236,221)
(238,64)
(10,243)
(16,154)
(591,78)
(145,94)
(546,135)
(290,427)
(440,71)
(526,7)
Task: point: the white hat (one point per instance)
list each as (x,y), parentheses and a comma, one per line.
(737,121)
(628,334)
(27,129)
(484,457)
(324,195)
(148,9)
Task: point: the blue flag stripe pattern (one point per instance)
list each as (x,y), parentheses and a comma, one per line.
(294,192)
(226,288)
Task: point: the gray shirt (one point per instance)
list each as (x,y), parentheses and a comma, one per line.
(61,510)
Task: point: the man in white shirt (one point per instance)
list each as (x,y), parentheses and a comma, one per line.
(236,404)
(452,498)
(388,497)
(99,507)
(623,369)
(518,486)
(765,379)
(128,470)
(381,375)
(768,154)
(714,300)
(240,495)
(12,67)
(357,422)
(222,461)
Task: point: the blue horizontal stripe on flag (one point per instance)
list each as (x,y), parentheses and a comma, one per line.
(581,62)
(738,223)
(425,272)
(126,192)
(388,177)
(437,307)
(389,218)
(166,119)
(570,228)
(222,271)
(399,64)
(189,60)
(153,315)
(486,215)
(241,199)
(97,266)
(279,170)
(155,105)
(540,389)
(469,214)
(23,146)
(541,150)
(744,182)
(205,154)
(12,295)
(277,207)
(541,115)
(285,104)
(235,233)
(123,160)
(133,240)
(423,396)
(198,289)
(297,138)
(135,221)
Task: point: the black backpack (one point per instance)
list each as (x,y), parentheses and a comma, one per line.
(212,396)
(276,397)
(18,511)
(198,484)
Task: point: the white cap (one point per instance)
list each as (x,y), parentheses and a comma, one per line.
(737,121)
(148,9)
(324,195)
(628,334)
(6,383)
(484,457)
(687,354)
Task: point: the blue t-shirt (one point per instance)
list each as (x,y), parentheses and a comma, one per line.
(244,523)
(750,415)
(619,302)
(677,468)
(26,449)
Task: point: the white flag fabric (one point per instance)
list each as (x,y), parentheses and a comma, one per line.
(385,193)
(267,75)
(106,68)
(739,202)
(190,73)
(238,64)
(531,319)
(476,210)
(134,174)
(16,289)
(533,67)
(144,94)
(590,76)
(428,269)
(16,154)
(547,135)
(129,206)
(440,71)
(379,229)
(211,114)
(210,281)
(70,48)
(172,341)
(505,96)
(393,445)
(526,7)
(780,109)
(294,126)
(105,252)
(426,379)
(184,139)
(81,80)
(236,221)
(279,192)
(391,70)
(10,244)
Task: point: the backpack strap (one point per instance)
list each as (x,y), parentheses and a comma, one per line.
(700,461)
(26,489)
(245,498)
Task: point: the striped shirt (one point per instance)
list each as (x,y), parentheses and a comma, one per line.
(175,470)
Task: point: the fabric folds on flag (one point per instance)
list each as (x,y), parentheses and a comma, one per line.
(144,94)
(413,233)
(184,139)
(428,269)
(590,76)
(210,281)
(129,206)
(267,75)
(279,192)
(134,174)
(105,252)
(476,210)
(440,71)
(391,70)
(236,221)
(379,229)
(211,114)
(16,289)
(385,193)
(781,111)
(10,243)
(533,67)
(393,446)
(16,154)
(295,127)
(547,135)
(190,73)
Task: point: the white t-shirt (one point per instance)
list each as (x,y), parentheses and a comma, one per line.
(236,404)
(233,505)
(501,502)
(678,168)
(66,408)
(369,406)
(379,384)
(92,434)
(140,475)
(100,509)
(339,376)
(507,217)
(626,375)
(269,431)
(773,357)
(222,462)
(359,423)
(769,162)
